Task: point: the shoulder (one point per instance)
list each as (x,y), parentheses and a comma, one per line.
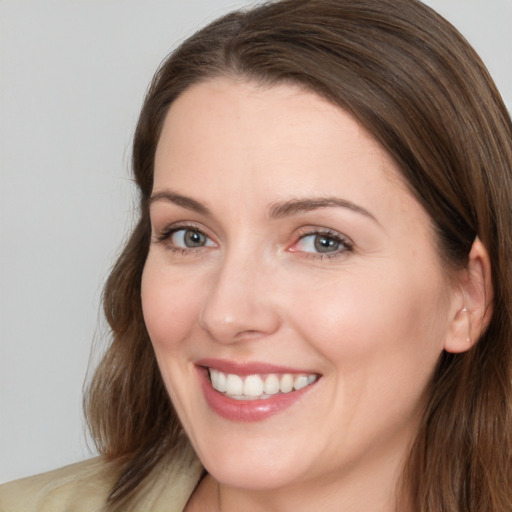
(85,487)
(79,487)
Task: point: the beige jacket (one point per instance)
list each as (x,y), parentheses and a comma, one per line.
(84,487)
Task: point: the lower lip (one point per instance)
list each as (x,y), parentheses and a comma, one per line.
(247,410)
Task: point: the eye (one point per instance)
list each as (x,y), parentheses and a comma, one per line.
(189,239)
(183,239)
(322,243)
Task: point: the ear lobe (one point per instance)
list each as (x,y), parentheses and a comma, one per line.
(474,304)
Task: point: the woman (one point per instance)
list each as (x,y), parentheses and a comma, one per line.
(319,279)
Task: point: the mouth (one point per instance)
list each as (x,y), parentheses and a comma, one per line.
(258,386)
(252,392)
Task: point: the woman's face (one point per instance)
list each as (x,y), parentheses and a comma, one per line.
(290,264)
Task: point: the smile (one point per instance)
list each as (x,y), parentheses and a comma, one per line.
(258,386)
(252,391)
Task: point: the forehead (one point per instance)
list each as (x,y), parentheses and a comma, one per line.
(241,124)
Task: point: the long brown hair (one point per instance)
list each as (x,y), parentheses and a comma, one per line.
(415,83)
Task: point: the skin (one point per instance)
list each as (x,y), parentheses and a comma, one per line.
(371,317)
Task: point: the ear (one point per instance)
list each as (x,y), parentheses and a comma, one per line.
(473,301)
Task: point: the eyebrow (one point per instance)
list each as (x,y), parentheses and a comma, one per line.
(295,206)
(178,199)
(277,210)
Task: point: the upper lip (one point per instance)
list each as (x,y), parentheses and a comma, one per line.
(248,368)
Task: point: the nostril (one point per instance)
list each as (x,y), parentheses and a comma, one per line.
(232,317)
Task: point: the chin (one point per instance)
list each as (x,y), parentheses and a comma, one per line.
(248,477)
(252,466)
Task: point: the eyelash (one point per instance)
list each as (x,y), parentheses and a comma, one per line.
(334,236)
(166,234)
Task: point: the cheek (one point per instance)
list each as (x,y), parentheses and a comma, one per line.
(381,319)
(381,340)
(170,305)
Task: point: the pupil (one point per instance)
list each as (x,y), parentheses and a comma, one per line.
(194,239)
(326,244)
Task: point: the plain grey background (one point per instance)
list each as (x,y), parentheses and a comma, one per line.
(72,78)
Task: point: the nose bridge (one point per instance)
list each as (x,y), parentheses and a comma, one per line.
(238,303)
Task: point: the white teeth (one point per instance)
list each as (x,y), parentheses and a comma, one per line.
(253,386)
(221,382)
(218,380)
(286,384)
(300,382)
(234,385)
(256,386)
(271,385)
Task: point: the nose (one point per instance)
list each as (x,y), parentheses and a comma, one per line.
(239,304)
